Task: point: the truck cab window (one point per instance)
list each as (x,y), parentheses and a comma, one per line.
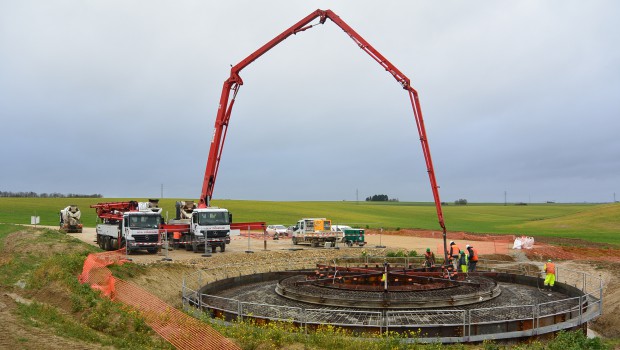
(213,218)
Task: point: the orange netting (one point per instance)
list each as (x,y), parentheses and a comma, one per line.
(178,328)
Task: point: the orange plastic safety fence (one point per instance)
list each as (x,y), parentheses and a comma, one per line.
(178,328)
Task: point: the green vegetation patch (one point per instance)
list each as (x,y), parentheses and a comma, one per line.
(592,222)
(42,266)
(283,335)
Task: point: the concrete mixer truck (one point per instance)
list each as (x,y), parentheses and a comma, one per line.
(70,219)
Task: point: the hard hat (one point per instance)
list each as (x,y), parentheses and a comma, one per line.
(549,260)
(428,249)
(451,242)
(467,246)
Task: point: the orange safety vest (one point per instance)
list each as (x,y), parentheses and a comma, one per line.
(474,256)
(176,235)
(550,268)
(454,250)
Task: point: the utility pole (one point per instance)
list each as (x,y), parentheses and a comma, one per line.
(162,190)
(357,198)
(505,198)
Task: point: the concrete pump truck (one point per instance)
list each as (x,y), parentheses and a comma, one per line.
(131,224)
(231,87)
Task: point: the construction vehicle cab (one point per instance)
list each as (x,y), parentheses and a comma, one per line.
(134,225)
(314,231)
(194,224)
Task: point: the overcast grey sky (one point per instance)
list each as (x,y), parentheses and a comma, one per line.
(119,97)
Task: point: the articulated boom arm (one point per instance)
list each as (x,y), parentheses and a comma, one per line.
(114,210)
(234,82)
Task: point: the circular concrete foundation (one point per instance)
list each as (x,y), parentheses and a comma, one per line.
(474,307)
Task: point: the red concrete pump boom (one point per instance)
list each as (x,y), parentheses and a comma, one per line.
(234,82)
(114,210)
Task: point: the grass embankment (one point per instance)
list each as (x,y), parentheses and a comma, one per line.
(41,266)
(592,222)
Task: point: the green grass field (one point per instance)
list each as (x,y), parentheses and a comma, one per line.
(592,222)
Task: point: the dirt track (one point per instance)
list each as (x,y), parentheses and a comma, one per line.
(257,244)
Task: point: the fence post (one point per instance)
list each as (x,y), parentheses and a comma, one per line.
(534,319)
(304,320)
(199,296)
(465,325)
(239,310)
(166,258)
(183,287)
(580,306)
(127,250)
(584,283)
(600,300)
(384,323)
(469,322)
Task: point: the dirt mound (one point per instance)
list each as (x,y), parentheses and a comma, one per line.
(498,257)
(544,252)
(26,241)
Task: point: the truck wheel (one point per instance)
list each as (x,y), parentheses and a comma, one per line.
(213,248)
(107,244)
(315,243)
(152,250)
(195,247)
(294,240)
(222,248)
(349,243)
(114,243)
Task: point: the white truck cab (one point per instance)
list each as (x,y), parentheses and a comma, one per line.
(212,222)
(314,231)
(137,230)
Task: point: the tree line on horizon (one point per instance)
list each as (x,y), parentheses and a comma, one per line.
(380,198)
(31,194)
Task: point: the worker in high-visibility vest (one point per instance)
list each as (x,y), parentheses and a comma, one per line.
(176,238)
(463,262)
(550,271)
(454,254)
(429,258)
(472,256)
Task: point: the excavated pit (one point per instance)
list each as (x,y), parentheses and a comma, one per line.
(474,307)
